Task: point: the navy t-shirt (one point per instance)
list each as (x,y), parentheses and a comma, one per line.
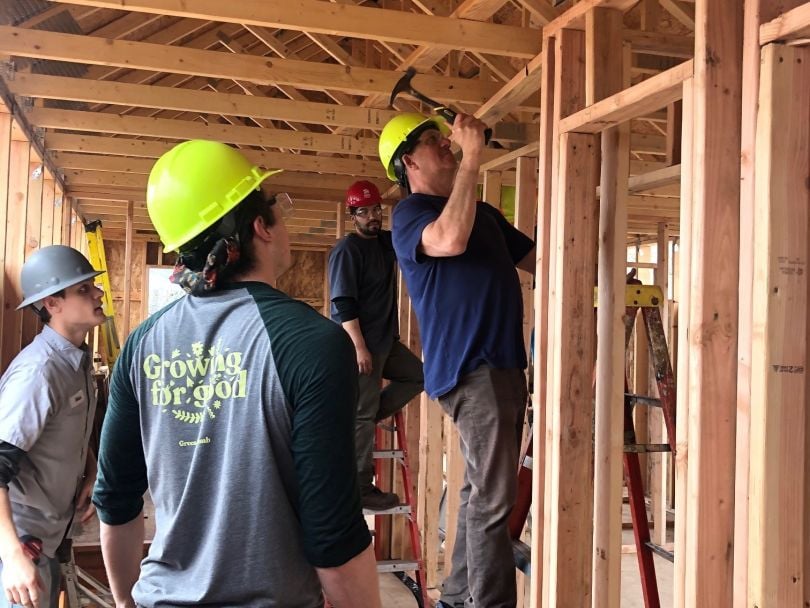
(469,306)
(365,271)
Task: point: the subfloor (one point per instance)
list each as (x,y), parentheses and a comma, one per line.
(396,595)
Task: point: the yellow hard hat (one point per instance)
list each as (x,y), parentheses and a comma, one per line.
(398,130)
(195,184)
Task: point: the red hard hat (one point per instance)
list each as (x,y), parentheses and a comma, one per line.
(363,194)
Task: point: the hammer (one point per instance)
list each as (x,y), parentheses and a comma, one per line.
(404,85)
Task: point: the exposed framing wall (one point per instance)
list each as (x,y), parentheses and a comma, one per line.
(33,214)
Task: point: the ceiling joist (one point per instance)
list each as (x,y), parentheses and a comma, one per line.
(346,20)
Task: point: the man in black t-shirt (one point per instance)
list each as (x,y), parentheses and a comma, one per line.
(362,283)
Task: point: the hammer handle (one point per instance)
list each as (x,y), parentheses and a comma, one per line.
(449,115)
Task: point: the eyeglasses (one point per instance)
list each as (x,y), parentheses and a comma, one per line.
(366,211)
(431,138)
(284,204)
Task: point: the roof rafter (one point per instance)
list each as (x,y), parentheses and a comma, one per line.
(348,20)
(94,122)
(258,70)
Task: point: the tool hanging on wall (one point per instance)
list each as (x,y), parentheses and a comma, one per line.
(404,85)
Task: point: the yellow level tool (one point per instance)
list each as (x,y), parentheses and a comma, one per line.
(95,247)
(643,296)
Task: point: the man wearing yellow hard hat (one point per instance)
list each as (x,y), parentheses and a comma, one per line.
(234,406)
(458,257)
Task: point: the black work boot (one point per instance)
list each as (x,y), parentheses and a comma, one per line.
(374,499)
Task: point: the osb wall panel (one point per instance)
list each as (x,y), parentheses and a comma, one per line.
(114,251)
(305,279)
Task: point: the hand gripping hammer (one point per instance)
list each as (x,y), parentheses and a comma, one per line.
(404,85)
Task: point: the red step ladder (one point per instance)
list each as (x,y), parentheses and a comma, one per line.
(401,567)
(647,300)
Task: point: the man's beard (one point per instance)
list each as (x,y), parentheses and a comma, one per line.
(369,229)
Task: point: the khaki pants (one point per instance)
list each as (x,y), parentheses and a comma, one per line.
(487,407)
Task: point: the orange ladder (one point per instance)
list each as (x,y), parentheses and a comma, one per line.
(401,567)
(646,299)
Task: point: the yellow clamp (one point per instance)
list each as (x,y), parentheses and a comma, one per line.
(642,296)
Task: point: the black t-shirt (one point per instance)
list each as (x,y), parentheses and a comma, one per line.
(365,271)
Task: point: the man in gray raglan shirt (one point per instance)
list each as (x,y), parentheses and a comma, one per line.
(234,406)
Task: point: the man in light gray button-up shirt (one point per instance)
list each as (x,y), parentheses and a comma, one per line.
(47,404)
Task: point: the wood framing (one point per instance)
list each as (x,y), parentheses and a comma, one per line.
(249,68)
(645,97)
(713,304)
(541,447)
(791,25)
(605,75)
(571,374)
(347,19)
(776,535)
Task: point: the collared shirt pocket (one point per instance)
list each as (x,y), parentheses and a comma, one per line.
(77,399)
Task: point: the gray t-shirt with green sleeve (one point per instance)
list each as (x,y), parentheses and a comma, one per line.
(236,410)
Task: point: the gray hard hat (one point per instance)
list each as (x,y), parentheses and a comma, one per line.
(52,269)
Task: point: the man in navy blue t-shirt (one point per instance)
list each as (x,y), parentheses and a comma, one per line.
(458,257)
(363,288)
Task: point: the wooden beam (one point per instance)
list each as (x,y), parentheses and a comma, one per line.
(97,162)
(127,269)
(574,17)
(541,448)
(674,120)
(508,158)
(714,303)
(115,150)
(681,456)
(137,182)
(643,98)
(659,463)
(526,82)
(68,142)
(16,203)
(204,102)
(347,20)
(655,179)
(430,484)
(212,64)
(540,10)
(664,45)
(682,11)
(492,188)
(570,383)
(569,490)
(776,534)
(754,12)
(277,160)
(791,25)
(95,122)
(604,77)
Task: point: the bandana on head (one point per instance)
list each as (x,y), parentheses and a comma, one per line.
(224,253)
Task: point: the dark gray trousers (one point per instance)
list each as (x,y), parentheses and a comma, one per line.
(487,407)
(403,370)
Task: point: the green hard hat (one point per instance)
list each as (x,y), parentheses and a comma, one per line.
(195,184)
(398,130)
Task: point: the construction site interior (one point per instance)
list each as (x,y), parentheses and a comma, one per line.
(667,139)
